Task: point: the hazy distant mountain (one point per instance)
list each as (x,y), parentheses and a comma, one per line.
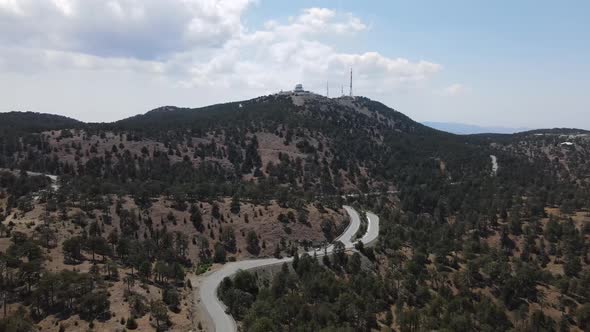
(467,129)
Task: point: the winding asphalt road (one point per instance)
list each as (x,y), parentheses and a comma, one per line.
(53,178)
(372,229)
(494,164)
(224,322)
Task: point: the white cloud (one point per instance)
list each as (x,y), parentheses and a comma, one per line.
(190,44)
(11,6)
(146,29)
(64,6)
(454,90)
(281,54)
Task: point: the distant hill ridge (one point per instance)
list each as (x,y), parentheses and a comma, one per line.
(468,129)
(35,121)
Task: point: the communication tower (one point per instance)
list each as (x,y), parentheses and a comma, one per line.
(350,82)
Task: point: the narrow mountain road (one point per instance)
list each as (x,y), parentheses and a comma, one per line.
(349,232)
(372,229)
(494,164)
(207,295)
(53,178)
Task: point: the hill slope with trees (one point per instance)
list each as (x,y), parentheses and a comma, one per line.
(143,201)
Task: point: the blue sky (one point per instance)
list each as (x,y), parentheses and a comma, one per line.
(459,32)
(493,63)
(525,59)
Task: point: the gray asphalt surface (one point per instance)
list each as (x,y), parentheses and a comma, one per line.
(224,322)
(372,229)
(53,178)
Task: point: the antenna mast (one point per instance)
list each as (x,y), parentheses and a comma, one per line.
(327,90)
(351,82)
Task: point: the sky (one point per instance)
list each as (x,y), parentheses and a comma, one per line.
(490,63)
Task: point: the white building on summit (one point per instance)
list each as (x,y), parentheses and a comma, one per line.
(299,88)
(297,91)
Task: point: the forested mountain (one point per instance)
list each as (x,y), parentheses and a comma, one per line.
(315,144)
(468,241)
(34,122)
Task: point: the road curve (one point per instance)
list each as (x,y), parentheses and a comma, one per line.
(372,229)
(494,164)
(53,178)
(208,289)
(349,232)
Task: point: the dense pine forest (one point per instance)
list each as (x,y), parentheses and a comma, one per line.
(139,206)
